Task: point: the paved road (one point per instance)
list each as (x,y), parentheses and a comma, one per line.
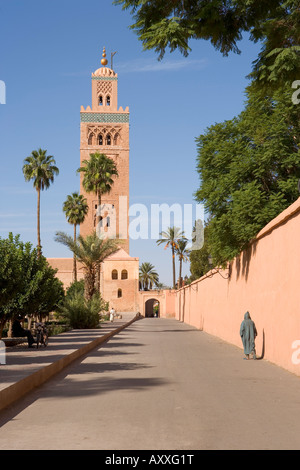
(159,385)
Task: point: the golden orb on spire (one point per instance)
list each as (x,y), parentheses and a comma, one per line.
(104,60)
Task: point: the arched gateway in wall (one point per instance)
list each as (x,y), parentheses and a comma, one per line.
(164,299)
(152,308)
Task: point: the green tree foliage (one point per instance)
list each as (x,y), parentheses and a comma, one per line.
(162,24)
(183,253)
(28,285)
(98,176)
(90,251)
(41,169)
(278,61)
(79,312)
(11,274)
(49,294)
(249,168)
(75,287)
(170,238)
(148,276)
(199,259)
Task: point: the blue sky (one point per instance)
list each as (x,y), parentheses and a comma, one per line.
(48,51)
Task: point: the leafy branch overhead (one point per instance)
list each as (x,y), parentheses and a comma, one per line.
(249,169)
(162,24)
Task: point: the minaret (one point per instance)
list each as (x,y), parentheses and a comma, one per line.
(104,128)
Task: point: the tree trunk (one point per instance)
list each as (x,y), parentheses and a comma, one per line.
(38,222)
(180,270)
(173,262)
(74,258)
(89,284)
(2,324)
(9,333)
(98,218)
(98,221)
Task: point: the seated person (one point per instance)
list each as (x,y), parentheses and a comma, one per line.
(18,331)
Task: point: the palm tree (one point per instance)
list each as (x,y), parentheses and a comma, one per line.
(170,238)
(75,208)
(40,168)
(148,276)
(90,251)
(98,176)
(183,254)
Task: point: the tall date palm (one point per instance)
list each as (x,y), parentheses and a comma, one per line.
(41,169)
(98,177)
(98,173)
(183,254)
(90,251)
(75,208)
(170,238)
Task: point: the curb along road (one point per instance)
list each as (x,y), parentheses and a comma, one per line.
(20,388)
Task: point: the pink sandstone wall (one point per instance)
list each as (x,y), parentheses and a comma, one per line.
(65,270)
(265,280)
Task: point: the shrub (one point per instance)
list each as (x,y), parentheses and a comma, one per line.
(81,313)
(76,286)
(57,328)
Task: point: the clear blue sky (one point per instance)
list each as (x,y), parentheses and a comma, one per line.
(48,52)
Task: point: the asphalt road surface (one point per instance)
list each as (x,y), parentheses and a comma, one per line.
(158,385)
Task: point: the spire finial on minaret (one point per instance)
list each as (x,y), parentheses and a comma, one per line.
(104,60)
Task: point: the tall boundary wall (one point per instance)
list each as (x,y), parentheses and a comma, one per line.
(264,280)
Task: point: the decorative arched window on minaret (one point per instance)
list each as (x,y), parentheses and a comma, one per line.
(91,139)
(116,139)
(100,100)
(100,139)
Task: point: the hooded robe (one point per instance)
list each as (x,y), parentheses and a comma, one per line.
(248,333)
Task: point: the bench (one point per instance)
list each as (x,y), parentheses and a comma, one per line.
(14,341)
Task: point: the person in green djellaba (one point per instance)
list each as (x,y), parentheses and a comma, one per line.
(248,334)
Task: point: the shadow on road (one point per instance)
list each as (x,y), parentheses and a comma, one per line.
(259,358)
(91,375)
